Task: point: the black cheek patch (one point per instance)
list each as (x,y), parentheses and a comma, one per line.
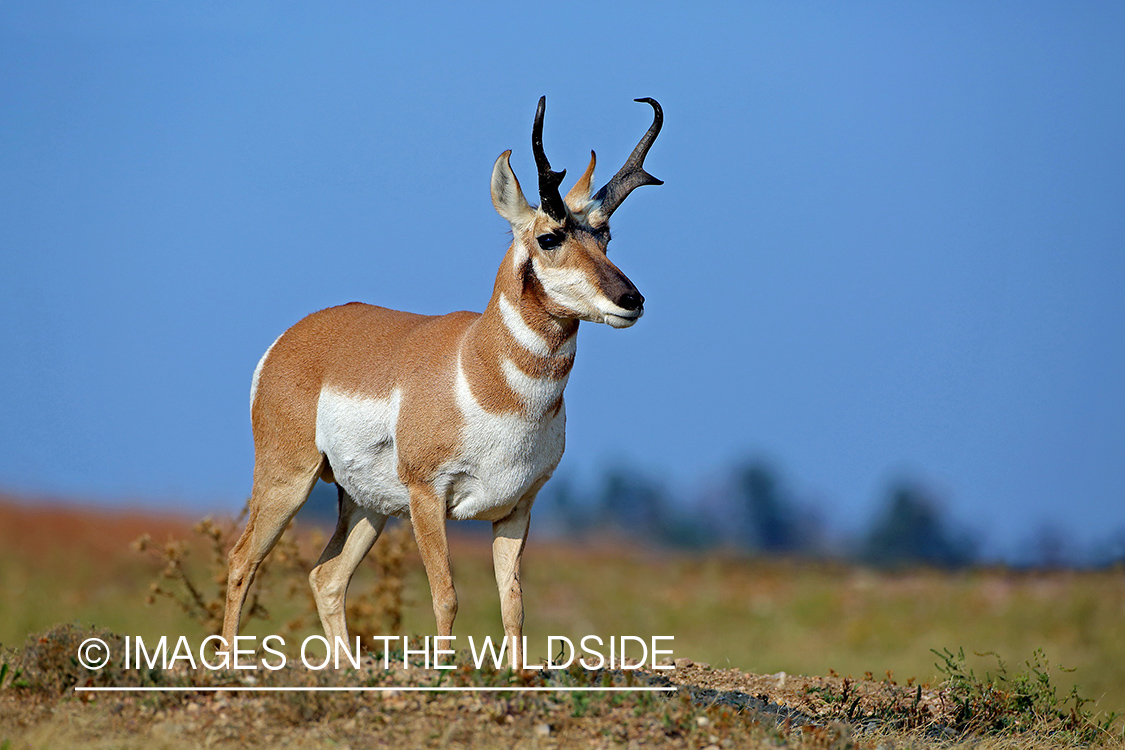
(530,286)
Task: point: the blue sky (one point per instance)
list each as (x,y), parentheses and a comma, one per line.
(890,242)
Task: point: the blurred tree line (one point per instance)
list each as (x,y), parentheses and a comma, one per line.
(753,511)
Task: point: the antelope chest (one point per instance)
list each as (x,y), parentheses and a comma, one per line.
(502,455)
(498,458)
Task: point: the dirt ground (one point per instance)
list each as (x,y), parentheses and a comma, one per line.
(709,708)
(712,708)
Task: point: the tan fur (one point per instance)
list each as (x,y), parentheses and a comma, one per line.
(370,352)
(579,195)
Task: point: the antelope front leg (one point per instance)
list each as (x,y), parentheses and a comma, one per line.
(427,515)
(508,538)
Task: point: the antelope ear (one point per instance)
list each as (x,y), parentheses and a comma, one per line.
(579,195)
(507,197)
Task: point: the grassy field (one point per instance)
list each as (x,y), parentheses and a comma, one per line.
(760,617)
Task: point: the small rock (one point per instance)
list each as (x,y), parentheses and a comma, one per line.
(702,665)
(683,663)
(780,677)
(702,721)
(543,730)
(165,729)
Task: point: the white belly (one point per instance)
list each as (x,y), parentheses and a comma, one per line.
(357,435)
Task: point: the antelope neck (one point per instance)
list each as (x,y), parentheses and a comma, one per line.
(517,342)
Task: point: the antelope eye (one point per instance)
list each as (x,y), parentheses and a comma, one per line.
(549,241)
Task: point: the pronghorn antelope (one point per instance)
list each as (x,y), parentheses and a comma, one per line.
(436,417)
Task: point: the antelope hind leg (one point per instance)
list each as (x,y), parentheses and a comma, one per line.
(273,503)
(356,531)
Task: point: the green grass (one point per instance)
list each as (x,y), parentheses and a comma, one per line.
(758,616)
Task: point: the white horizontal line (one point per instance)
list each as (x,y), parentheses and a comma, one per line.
(410,689)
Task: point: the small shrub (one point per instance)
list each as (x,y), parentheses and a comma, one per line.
(48,662)
(1020,701)
(201,601)
(284,572)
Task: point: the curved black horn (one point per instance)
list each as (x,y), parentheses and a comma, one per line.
(550,199)
(632,175)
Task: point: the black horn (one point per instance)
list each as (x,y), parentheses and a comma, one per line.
(632,175)
(549,197)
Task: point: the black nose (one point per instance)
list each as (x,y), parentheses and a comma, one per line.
(631,300)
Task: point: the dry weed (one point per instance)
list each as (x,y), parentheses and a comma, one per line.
(284,573)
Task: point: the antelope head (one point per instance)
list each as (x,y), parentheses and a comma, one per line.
(560,246)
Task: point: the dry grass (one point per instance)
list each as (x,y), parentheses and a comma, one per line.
(721,708)
(748,618)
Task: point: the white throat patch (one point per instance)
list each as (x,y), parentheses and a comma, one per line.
(528,338)
(521,331)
